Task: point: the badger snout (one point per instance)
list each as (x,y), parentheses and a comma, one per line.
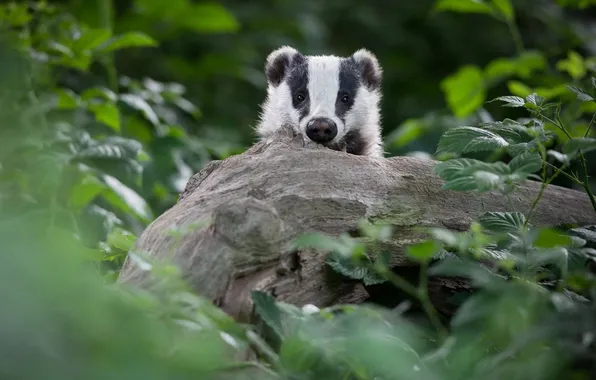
(321,130)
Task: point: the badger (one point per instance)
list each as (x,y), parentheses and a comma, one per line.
(331,100)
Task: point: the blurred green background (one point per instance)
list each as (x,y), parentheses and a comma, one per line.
(122,101)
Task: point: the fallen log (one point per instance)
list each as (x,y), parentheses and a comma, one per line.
(250,207)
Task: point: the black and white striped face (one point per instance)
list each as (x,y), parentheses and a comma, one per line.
(326,98)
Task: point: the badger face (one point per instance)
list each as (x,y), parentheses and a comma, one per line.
(330,100)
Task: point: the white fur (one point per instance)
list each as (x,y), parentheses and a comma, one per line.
(323,86)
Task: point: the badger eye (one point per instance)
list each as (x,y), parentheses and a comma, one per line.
(345,98)
(300,97)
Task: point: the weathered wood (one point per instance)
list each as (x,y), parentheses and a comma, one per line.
(254,204)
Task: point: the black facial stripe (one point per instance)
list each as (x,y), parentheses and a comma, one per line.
(298,83)
(349,81)
(354,142)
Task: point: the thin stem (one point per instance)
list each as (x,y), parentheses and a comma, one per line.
(263,348)
(426,304)
(105,12)
(582,158)
(420,294)
(569,176)
(541,192)
(587,181)
(590,125)
(542,186)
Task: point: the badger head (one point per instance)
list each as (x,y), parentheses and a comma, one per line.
(330,100)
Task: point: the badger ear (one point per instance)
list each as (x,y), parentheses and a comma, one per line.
(278,63)
(370,69)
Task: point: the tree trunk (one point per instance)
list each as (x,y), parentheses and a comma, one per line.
(247,209)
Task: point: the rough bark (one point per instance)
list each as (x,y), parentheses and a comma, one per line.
(250,207)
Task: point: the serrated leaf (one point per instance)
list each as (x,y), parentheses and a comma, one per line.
(573,146)
(580,94)
(486,181)
(526,163)
(347,267)
(465,90)
(511,101)
(424,251)
(113,147)
(465,139)
(534,99)
(452,169)
(268,311)
(464,6)
(465,183)
(503,222)
(126,199)
(106,113)
(141,105)
(130,39)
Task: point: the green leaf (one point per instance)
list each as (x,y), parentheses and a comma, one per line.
(573,65)
(551,238)
(464,6)
(572,147)
(205,17)
(467,174)
(85,191)
(533,101)
(90,39)
(451,169)
(487,181)
(210,18)
(424,251)
(353,269)
(511,101)
(465,90)
(523,66)
(141,105)
(466,139)
(67,99)
(106,113)
(126,199)
(267,310)
(98,93)
(503,222)
(130,39)
(505,8)
(526,163)
(580,94)
(121,239)
(562,158)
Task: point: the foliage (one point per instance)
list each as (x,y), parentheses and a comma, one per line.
(99,136)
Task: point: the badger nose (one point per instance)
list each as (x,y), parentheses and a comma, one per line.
(321,130)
